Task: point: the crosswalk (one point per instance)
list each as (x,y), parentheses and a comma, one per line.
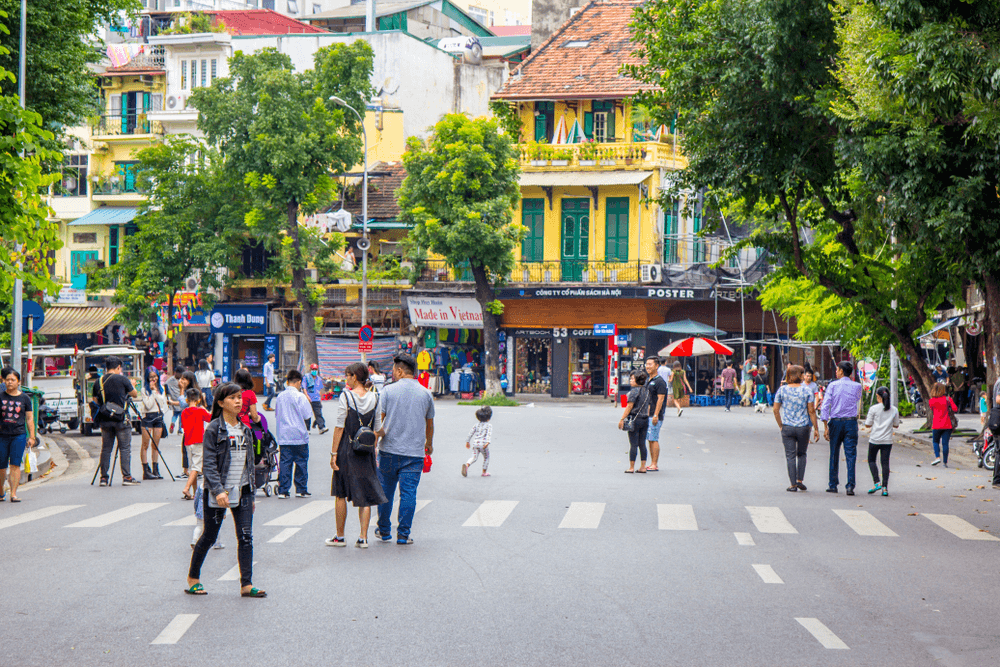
(748,524)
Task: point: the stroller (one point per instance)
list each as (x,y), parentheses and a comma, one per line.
(265,456)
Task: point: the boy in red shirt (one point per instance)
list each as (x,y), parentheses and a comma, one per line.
(193,420)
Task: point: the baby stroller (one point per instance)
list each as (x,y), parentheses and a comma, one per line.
(265,456)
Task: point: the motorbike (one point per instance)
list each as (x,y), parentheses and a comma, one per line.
(986,451)
(919,407)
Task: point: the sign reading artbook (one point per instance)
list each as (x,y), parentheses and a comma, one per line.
(445,312)
(238,319)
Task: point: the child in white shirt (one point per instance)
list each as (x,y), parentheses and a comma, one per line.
(479,440)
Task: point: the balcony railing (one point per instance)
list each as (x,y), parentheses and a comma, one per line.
(639,155)
(125,125)
(119,188)
(568,270)
(686,249)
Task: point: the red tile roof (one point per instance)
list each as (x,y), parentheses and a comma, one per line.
(510,30)
(382,203)
(261,22)
(582,59)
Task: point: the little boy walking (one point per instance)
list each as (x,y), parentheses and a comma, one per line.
(479,440)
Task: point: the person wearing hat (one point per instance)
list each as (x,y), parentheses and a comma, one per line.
(407,435)
(313,384)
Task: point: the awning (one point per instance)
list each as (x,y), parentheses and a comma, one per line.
(108,215)
(947,324)
(550,179)
(687,328)
(90,319)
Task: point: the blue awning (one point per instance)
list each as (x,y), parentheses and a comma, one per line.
(947,324)
(108,215)
(688,328)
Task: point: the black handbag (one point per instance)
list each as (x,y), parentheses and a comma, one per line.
(951,413)
(636,418)
(364,438)
(109,411)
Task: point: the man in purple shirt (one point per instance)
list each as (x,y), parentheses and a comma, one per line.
(840,423)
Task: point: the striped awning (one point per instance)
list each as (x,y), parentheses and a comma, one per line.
(86,320)
(108,215)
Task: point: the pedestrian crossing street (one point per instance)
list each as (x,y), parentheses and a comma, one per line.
(291,517)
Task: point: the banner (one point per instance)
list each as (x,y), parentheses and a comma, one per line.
(445,312)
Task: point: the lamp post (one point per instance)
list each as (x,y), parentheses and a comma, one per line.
(365,244)
(15,333)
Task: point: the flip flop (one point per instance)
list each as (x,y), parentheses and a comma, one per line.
(652,469)
(629,472)
(185,496)
(14,500)
(642,471)
(254,593)
(196,589)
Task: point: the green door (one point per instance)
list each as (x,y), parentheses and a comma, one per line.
(533,217)
(616,232)
(575,238)
(78,263)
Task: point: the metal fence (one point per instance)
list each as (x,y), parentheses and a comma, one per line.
(125,124)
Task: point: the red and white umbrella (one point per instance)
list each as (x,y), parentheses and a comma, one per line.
(693,347)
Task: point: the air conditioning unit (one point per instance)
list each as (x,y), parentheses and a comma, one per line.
(176,102)
(191,284)
(107,82)
(146,79)
(650,273)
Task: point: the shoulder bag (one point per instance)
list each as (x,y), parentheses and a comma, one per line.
(364,438)
(951,413)
(634,420)
(109,411)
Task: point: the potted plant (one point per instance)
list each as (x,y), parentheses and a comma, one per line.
(588,153)
(538,153)
(561,156)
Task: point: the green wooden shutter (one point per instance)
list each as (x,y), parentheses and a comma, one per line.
(533,217)
(611,122)
(540,129)
(588,124)
(616,231)
(670,219)
(124,113)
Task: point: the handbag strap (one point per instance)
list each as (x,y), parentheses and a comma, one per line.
(354,398)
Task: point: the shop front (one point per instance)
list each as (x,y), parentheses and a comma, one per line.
(450,350)
(243,339)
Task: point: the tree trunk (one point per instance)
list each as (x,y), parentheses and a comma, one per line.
(914,363)
(992,289)
(300,288)
(484,295)
(170,328)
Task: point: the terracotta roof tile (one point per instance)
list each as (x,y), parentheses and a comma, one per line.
(261,22)
(382,204)
(582,59)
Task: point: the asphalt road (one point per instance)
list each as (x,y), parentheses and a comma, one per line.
(583,564)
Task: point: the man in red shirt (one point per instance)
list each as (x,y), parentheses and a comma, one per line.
(729,384)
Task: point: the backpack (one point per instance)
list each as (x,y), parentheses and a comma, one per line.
(364,439)
(993,421)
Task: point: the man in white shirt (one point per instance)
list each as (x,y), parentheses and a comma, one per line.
(269,382)
(292,411)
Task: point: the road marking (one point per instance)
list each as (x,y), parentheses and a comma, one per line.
(116,516)
(284,535)
(688,435)
(822,633)
(700,442)
(304,514)
(864,523)
(233,574)
(744,539)
(770,520)
(491,514)
(583,515)
(175,629)
(676,517)
(190,520)
(960,527)
(34,515)
(768,574)
(704,450)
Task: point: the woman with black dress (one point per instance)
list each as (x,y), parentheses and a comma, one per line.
(355,477)
(637,412)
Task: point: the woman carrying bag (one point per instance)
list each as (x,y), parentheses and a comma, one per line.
(635,420)
(355,477)
(154,405)
(945,421)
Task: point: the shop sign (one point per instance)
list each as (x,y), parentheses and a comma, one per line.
(68,295)
(237,319)
(187,311)
(529,333)
(664,293)
(605,329)
(445,312)
(227,366)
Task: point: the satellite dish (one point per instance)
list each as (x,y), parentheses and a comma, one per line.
(341,220)
(389,87)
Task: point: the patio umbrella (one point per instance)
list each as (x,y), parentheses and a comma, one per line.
(559,135)
(693,347)
(575,135)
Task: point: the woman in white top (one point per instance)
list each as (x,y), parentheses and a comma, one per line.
(882,418)
(375,378)
(152,405)
(204,377)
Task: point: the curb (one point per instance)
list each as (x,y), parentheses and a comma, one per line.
(961,455)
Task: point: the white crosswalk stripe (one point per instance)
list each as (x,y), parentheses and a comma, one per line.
(822,633)
(109,518)
(767,574)
(189,520)
(233,574)
(583,515)
(491,514)
(676,517)
(960,527)
(34,515)
(283,535)
(175,629)
(744,539)
(770,520)
(864,523)
(303,515)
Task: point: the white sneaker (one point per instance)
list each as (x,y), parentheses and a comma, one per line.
(361,544)
(936,461)
(680,412)
(335,542)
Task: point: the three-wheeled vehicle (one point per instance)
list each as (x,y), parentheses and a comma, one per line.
(53,373)
(93,358)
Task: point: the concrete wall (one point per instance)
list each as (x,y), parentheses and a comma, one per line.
(547,16)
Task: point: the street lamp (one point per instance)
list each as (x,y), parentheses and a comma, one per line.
(365,243)
(15,332)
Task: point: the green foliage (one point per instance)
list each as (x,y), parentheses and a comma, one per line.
(190,225)
(187,23)
(495,400)
(508,118)
(495,307)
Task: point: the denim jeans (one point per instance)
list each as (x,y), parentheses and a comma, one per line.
(729,397)
(940,437)
(176,419)
(243,518)
(404,470)
(843,432)
(268,394)
(12,450)
(299,456)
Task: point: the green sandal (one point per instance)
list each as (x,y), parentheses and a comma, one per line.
(878,487)
(254,593)
(196,589)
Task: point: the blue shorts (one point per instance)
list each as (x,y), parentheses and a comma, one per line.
(12,450)
(653,432)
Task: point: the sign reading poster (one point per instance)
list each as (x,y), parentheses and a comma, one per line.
(445,312)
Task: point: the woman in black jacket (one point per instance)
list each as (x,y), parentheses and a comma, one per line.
(637,410)
(227,468)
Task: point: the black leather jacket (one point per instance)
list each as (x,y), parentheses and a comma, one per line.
(216,455)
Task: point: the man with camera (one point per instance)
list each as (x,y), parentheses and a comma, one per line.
(111,396)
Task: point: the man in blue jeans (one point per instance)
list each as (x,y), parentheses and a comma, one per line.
(839,413)
(407,435)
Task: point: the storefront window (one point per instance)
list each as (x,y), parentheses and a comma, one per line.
(587,359)
(533,364)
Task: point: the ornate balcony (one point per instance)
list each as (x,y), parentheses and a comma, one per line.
(592,155)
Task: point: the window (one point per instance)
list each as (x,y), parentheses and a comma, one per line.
(577,44)
(204,73)
(184,75)
(533,217)
(671,217)
(480,14)
(545,114)
(194,74)
(80,261)
(84,238)
(215,70)
(293,7)
(112,245)
(395,21)
(616,234)
(317,9)
(74,176)
(604,120)
(698,250)
(128,173)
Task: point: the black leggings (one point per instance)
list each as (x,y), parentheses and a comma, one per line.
(883,452)
(637,444)
(243,518)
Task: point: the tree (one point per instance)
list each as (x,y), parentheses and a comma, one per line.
(752,84)
(279,130)
(459,192)
(28,236)
(189,226)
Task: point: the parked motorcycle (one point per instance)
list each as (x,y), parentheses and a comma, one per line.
(919,407)
(986,451)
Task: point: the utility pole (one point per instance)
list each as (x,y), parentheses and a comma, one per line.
(15,333)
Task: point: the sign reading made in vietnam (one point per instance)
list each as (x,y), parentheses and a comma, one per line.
(238,319)
(445,312)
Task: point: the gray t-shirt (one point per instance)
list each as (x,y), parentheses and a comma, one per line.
(407,407)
